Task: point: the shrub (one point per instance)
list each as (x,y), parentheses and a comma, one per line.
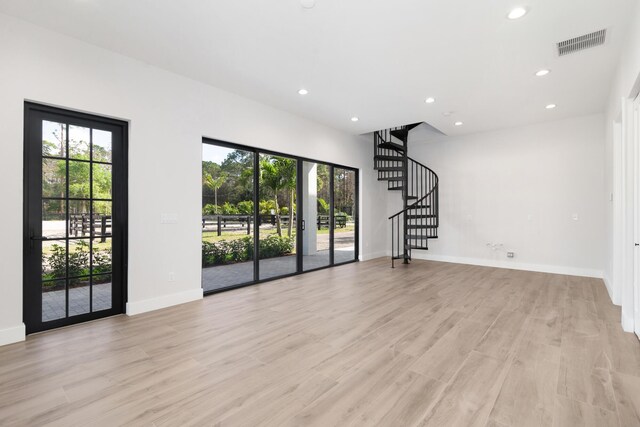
(56,262)
(229,209)
(79,259)
(245,207)
(102,261)
(210,209)
(241,250)
(266,206)
(275,246)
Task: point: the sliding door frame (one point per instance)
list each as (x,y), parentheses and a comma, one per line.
(256,151)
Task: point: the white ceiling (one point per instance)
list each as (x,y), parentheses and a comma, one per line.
(375,59)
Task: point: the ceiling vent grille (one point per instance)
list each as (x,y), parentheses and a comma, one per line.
(577,44)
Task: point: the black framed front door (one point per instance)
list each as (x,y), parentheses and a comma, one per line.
(75,217)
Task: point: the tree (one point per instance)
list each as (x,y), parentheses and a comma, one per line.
(215,184)
(270,178)
(287,170)
(279,174)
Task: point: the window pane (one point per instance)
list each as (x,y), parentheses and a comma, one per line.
(79,142)
(54,259)
(101,253)
(54,178)
(79,179)
(227,217)
(78,257)
(277,247)
(316,199)
(344,211)
(53,219)
(102,219)
(79,296)
(79,218)
(54,300)
(54,139)
(101,181)
(101,146)
(102,292)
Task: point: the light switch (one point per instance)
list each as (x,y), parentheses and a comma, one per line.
(574,216)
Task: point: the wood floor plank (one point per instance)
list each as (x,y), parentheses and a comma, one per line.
(468,399)
(527,396)
(572,413)
(627,394)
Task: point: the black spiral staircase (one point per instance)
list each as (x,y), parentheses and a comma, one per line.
(417,222)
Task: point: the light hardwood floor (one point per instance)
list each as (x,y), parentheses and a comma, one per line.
(429,344)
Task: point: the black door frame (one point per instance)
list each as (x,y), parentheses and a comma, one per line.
(299,270)
(32,202)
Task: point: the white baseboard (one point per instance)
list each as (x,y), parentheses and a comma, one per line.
(11,335)
(373,255)
(627,322)
(554,269)
(138,307)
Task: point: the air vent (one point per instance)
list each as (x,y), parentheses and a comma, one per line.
(577,44)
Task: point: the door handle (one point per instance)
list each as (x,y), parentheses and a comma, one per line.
(303,225)
(637,244)
(33,238)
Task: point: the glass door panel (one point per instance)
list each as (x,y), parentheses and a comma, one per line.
(344,212)
(277,216)
(227,217)
(64,183)
(316,206)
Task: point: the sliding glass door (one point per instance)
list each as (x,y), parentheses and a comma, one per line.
(227,217)
(267,215)
(316,213)
(344,214)
(277,216)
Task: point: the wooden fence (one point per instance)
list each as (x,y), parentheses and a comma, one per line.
(83,224)
(220,222)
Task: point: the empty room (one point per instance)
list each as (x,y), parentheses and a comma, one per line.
(320,213)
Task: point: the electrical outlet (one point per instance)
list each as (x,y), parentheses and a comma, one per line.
(172,276)
(510,254)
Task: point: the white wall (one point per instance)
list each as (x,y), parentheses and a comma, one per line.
(168,117)
(520,187)
(618,275)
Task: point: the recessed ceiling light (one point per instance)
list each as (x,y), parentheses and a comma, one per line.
(303,92)
(458,123)
(542,72)
(550,106)
(517,13)
(308,4)
(354,119)
(430,100)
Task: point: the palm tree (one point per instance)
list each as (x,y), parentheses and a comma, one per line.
(270,177)
(287,169)
(215,184)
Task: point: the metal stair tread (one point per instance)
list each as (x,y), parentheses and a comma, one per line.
(389,158)
(391,146)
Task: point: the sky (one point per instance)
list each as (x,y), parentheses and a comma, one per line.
(214,153)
